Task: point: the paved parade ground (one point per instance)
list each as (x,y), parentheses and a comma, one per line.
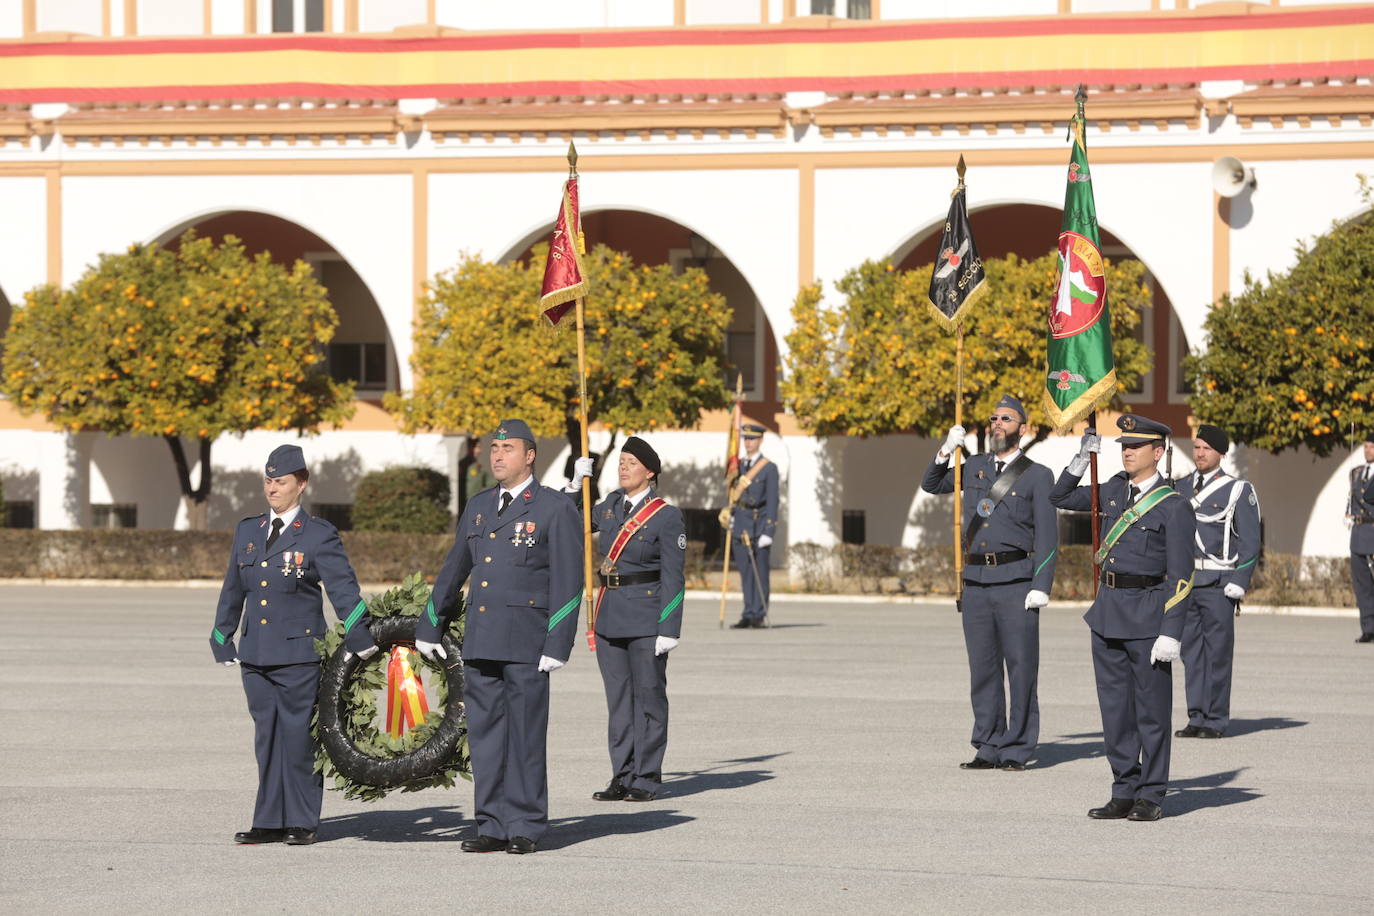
(811,768)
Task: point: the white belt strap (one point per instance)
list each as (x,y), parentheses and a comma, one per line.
(1227,560)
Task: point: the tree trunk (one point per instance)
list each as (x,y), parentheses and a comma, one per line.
(197,500)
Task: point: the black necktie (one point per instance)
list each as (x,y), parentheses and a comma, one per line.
(625,508)
(1200,478)
(276,532)
(1000,465)
(1131,497)
(505,503)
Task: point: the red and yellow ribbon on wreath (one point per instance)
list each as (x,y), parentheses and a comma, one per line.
(406,706)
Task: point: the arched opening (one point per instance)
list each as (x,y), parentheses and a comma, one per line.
(1029,231)
(361,351)
(750,346)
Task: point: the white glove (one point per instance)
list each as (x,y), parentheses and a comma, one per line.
(1090,444)
(230,664)
(1036,598)
(1233,591)
(664,644)
(1166,649)
(547,664)
(765,541)
(955,439)
(582,469)
(430,649)
(1349,523)
(364,655)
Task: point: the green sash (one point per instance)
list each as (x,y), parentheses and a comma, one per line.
(1130,517)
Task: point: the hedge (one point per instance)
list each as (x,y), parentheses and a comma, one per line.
(402,500)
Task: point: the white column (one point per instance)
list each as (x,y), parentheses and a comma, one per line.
(64,483)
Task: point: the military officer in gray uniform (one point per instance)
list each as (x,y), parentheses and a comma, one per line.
(1010,535)
(1146,562)
(1225,549)
(755,518)
(1360,516)
(643,541)
(271,600)
(521,544)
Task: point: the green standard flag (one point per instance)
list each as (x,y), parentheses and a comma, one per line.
(1082,371)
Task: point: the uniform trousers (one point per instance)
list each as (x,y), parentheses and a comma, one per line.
(1134,697)
(1209,642)
(755,591)
(636,684)
(281,699)
(1363,582)
(999,633)
(507,705)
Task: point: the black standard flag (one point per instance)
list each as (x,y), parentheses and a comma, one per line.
(957,280)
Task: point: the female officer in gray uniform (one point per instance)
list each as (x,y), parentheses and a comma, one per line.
(643,542)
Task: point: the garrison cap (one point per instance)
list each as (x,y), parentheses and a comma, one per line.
(514,429)
(1138,430)
(752,431)
(1369,436)
(644,452)
(285,459)
(1012,403)
(1214,436)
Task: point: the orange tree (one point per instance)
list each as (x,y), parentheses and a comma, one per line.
(655,346)
(1290,361)
(188,343)
(878,363)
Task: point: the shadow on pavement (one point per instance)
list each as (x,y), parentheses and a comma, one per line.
(792,626)
(676,785)
(1240,727)
(390,826)
(1188,795)
(1084,746)
(628,818)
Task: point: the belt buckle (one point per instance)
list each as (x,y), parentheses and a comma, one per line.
(989,559)
(613,580)
(1111,579)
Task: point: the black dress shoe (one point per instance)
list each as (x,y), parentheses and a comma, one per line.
(1205,732)
(1188,731)
(1113,810)
(1366,637)
(520,846)
(614,792)
(485,844)
(745,623)
(1014,766)
(259,835)
(1144,810)
(640,795)
(978,763)
(299,836)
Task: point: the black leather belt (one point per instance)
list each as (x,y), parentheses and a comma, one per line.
(751,507)
(995,559)
(620,580)
(1363,519)
(1122,580)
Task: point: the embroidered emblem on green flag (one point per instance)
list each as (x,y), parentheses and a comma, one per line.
(1081,373)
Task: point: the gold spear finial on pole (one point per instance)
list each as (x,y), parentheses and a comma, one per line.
(572,159)
(961,168)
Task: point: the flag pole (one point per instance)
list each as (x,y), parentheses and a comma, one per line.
(958,455)
(588,589)
(1095,508)
(729,504)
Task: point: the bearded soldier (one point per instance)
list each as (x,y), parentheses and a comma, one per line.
(1010,536)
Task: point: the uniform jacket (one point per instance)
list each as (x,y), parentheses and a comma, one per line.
(653,608)
(284,610)
(1023,520)
(1159,544)
(526,571)
(1361,506)
(757,509)
(1234,498)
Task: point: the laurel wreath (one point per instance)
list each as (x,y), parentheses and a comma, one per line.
(358,720)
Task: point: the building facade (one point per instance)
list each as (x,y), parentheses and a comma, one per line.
(774,143)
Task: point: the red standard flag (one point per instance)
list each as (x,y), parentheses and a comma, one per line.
(564,278)
(732,448)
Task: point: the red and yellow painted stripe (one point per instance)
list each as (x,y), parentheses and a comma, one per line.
(406,706)
(964,53)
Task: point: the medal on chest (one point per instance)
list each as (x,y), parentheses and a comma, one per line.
(524,534)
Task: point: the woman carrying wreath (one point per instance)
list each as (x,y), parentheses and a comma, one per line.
(272,588)
(643,543)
